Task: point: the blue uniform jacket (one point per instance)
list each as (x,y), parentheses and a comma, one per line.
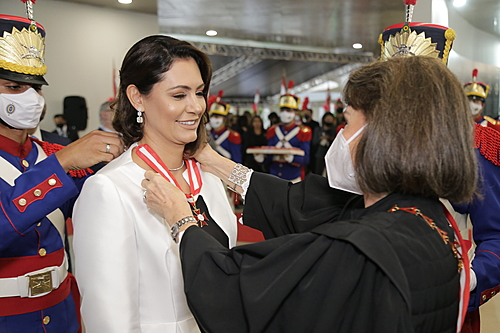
(27,232)
(485,217)
(231,145)
(302,140)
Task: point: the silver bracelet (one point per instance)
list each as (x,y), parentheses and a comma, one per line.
(238,175)
(174,230)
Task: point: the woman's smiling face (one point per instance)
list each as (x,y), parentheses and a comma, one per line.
(174,107)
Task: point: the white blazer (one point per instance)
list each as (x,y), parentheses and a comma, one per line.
(127,265)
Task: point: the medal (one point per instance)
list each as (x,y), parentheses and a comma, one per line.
(148,155)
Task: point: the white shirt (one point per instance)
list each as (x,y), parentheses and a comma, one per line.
(127,265)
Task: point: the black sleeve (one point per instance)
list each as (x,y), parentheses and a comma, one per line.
(277,207)
(295,283)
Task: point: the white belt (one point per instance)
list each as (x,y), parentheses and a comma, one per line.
(34,284)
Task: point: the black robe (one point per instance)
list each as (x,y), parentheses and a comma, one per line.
(358,270)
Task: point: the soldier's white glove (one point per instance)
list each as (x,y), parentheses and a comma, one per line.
(289,158)
(259,158)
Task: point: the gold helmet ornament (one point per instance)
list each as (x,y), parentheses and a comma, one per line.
(416,39)
(22,48)
(218,107)
(476,89)
(289,101)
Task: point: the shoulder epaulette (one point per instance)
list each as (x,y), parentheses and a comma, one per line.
(51,148)
(487,140)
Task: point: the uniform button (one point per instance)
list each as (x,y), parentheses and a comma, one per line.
(25,163)
(46,320)
(493,293)
(279,174)
(52,181)
(281,165)
(484,297)
(39,224)
(22,202)
(42,252)
(37,193)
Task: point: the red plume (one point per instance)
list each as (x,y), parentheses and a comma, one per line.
(290,84)
(24,1)
(410,2)
(219,95)
(474,74)
(305,104)
(210,100)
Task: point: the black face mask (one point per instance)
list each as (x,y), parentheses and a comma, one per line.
(60,125)
(307,117)
(328,125)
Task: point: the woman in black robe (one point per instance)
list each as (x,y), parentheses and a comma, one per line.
(334,261)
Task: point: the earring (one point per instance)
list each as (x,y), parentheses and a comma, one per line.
(139,119)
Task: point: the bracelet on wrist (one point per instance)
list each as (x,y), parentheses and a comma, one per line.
(174,230)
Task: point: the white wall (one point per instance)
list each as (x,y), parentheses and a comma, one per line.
(82,43)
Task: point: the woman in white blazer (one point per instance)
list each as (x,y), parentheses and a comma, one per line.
(127,263)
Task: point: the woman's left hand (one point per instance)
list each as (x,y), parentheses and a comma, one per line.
(165,198)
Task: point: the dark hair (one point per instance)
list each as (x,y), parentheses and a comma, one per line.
(144,66)
(328,114)
(261,123)
(419,135)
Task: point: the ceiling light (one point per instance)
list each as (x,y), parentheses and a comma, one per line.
(125,2)
(211,33)
(357,46)
(459,3)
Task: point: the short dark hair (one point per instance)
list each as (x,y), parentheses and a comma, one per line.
(419,135)
(144,66)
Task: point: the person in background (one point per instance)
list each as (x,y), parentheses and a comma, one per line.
(273,119)
(287,135)
(254,137)
(39,183)
(43,135)
(322,139)
(483,211)
(476,93)
(225,141)
(387,261)
(106,114)
(127,263)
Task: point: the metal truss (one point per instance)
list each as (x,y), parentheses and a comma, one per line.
(316,81)
(279,54)
(233,68)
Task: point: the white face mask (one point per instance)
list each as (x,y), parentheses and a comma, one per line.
(22,111)
(475,108)
(287,116)
(339,166)
(216,122)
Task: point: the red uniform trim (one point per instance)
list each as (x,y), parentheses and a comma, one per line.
(487,140)
(11,306)
(234,137)
(29,195)
(20,19)
(51,148)
(305,134)
(271,131)
(17,266)
(488,294)
(14,148)
(416,25)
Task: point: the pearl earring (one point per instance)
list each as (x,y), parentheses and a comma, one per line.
(139,119)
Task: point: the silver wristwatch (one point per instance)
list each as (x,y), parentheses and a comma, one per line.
(174,230)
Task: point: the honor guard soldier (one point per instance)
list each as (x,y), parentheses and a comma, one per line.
(477,92)
(224,140)
(39,182)
(289,135)
(483,212)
